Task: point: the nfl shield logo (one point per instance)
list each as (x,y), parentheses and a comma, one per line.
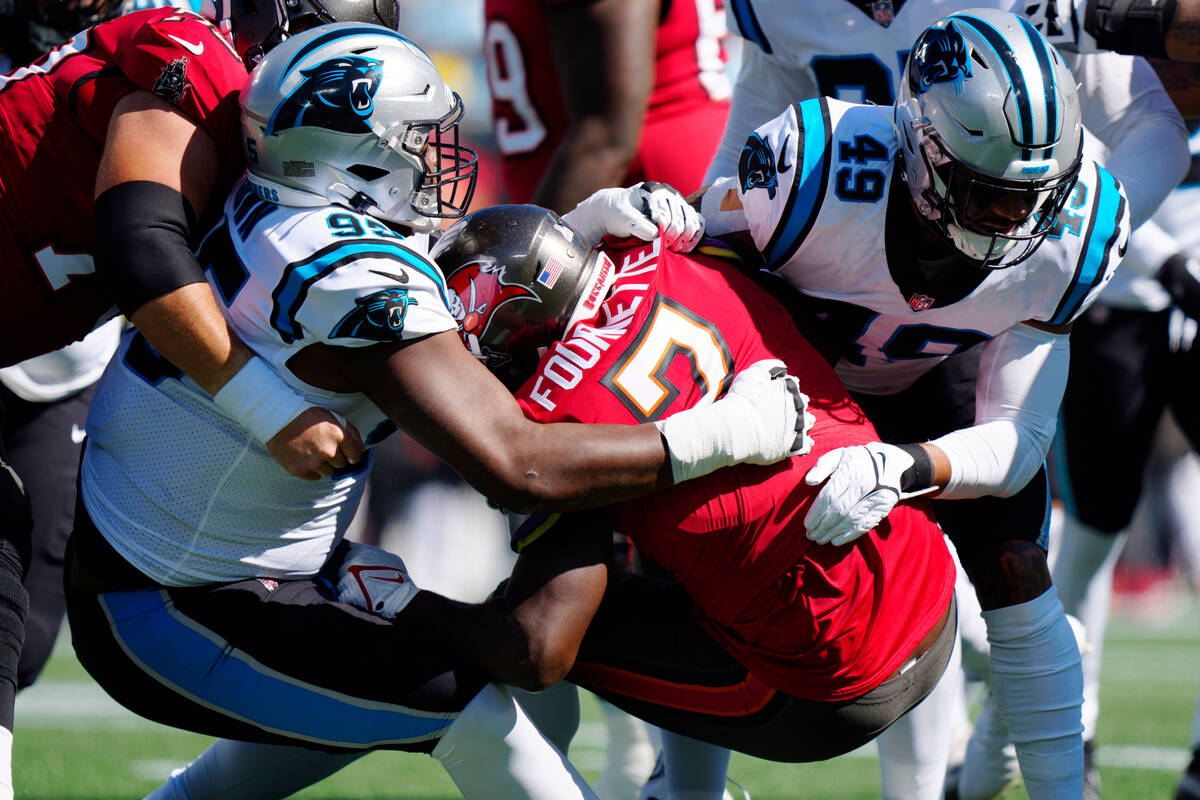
(920,302)
(884,12)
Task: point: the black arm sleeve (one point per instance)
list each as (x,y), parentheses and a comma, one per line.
(143,242)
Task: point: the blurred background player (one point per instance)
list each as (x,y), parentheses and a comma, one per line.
(857,51)
(594,93)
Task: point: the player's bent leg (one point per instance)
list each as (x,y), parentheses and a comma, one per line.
(233,770)
(914,751)
(493,750)
(1037,681)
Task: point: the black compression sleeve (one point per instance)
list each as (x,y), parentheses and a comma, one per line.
(142,242)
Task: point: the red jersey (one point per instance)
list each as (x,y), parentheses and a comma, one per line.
(816,621)
(691,93)
(54,114)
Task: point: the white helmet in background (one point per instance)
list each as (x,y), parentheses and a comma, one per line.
(989,119)
(357,115)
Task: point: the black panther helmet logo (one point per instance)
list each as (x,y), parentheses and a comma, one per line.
(379,316)
(940,56)
(756,167)
(338,94)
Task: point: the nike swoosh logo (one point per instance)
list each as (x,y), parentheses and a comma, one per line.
(194,49)
(78,434)
(364,573)
(780,168)
(401,278)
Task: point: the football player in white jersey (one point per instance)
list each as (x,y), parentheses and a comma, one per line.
(963,220)
(201,579)
(856,51)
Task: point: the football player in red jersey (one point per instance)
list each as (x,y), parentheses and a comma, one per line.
(593,94)
(113,144)
(767,643)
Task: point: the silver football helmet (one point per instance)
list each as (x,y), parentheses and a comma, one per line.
(357,115)
(989,119)
(519,278)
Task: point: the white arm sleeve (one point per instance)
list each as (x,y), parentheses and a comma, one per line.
(1022,375)
(1125,106)
(765,86)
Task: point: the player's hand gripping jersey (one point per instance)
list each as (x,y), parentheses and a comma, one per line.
(55,115)
(815,186)
(288,278)
(814,621)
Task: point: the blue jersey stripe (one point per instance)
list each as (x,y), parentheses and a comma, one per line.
(206,669)
(1004,52)
(747,23)
(293,286)
(808,186)
(1103,229)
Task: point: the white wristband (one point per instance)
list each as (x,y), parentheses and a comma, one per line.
(258,398)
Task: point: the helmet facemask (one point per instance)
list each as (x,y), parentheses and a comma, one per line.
(994,222)
(446,171)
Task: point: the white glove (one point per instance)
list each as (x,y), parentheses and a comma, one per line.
(862,486)
(645,211)
(763,418)
(1061,22)
(680,225)
(375,580)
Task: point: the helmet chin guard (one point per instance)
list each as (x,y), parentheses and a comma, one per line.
(989,118)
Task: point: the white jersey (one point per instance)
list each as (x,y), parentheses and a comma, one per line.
(814,185)
(835,49)
(180,489)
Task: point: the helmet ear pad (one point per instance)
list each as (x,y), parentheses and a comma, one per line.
(520,278)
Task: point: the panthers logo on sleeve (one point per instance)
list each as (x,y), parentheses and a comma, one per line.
(379,316)
(338,94)
(940,56)
(756,167)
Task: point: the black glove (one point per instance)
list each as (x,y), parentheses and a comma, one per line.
(1180,276)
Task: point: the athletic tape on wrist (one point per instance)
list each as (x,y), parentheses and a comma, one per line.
(258,398)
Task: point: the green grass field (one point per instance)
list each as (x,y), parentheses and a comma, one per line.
(73,743)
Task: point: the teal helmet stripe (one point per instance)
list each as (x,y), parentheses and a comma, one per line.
(1045,62)
(1016,75)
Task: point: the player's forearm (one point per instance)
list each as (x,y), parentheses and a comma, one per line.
(186,328)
